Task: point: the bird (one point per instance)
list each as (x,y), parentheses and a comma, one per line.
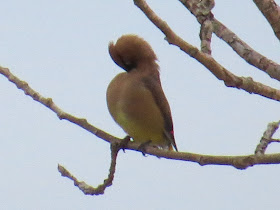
(135,98)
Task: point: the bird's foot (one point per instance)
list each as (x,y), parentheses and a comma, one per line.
(124,143)
(142,147)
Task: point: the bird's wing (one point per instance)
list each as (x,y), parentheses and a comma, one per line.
(154,85)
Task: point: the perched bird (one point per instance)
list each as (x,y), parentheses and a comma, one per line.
(135,98)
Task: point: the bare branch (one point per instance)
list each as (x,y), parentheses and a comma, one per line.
(271,11)
(206,31)
(87,189)
(267,137)
(48,102)
(275,140)
(240,47)
(246,52)
(209,62)
(204,8)
(239,162)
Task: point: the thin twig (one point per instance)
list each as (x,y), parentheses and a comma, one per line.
(275,140)
(267,138)
(87,189)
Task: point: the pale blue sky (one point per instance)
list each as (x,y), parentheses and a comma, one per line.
(60,49)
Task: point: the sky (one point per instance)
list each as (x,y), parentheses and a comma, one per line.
(61,49)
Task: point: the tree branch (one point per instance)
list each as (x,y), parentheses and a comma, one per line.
(271,11)
(239,162)
(48,102)
(230,80)
(205,35)
(267,137)
(240,47)
(87,189)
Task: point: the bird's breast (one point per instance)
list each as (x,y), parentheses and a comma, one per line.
(133,107)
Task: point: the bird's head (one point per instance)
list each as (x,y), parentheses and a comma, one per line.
(131,50)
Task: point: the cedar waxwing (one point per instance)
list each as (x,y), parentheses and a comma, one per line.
(135,98)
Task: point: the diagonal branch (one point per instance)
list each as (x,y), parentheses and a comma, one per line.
(271,11)
(48,102)
(230,80)
(240,47)
(267,137)
(246,52)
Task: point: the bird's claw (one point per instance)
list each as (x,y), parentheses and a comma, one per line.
(124,142)
(142,147)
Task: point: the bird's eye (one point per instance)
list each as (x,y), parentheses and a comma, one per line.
(129,66)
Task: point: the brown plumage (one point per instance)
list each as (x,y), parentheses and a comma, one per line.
(135,98)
